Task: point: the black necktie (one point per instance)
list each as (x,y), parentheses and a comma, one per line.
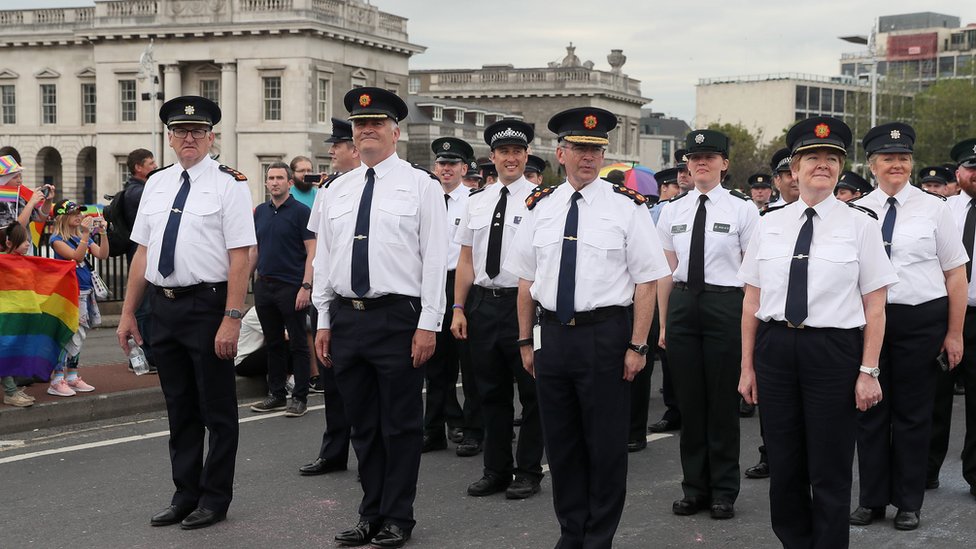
(447,198)
(796,291)
(566,287)
(167,253)
(888,226)
(493,264)
(360,243)
(969,235)
(696,261)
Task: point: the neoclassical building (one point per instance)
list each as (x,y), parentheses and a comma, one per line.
(75,97)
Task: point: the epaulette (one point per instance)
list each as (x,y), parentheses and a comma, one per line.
(738,194)
(637,197)
(476,191)
(862,196)
(538,194)
(237,175)
(680,196)
(430,173)
(773,209)
(328,180)
(156,170)
(863,209)
(939,196)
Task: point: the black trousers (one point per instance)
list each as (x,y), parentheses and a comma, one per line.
(704,343)
(275,303)
(968,373)
(382,392)
(200,393)
(335,438)
(893,437)
(640,389)
(945,386)
(497,362)
(442,405)
(584,403)
(806,389)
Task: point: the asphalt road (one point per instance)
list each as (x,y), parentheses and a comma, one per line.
(97,484)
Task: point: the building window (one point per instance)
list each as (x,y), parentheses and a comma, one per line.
(272,97)
(438,114)
(8,104)
(324,100)
(210,89)
(127,100)
(459,116)
(49,104)
(801,97)
(839,101)
(827,100)
(479,119)
(413,84)
(122,170)
(88,103)
(666,150)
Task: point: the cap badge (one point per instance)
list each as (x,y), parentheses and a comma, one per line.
(759,179)
(365,100)
(684,158)
(931,172)
(822,131)
(189,109)
(895,134)
(589,122)
(446,146)
(699,139)
(974,148)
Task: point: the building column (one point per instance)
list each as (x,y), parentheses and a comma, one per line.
(228,110)
(172,88)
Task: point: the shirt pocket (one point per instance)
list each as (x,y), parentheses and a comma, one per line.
(833,268)
(395,219)
(547,244)
(341,220)
(600,250)
(914,241)
(201,217)
(724,232)
(774,259)
(479,221)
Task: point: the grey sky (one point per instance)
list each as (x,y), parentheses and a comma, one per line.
(669,45)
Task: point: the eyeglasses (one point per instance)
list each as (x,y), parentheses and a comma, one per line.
(197,133)
(584,149)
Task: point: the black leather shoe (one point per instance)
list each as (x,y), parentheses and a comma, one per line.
(972,491)
(320,467)
(862,516)
(522,488)
(170,515)
(202,517)
(390,535)
(759,470)
(931,484)
(517,422)
(664,425)
(906,520)
(488,485)
(689,505)
(722,510)
(636,445)
(455,435)
(432,443)
(746,409)
(468,447)
(359,534)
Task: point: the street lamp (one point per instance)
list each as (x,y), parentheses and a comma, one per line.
(872,52)
(147,69)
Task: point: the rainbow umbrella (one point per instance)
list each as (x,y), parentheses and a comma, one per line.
(92,210)
(641,179)
(622,166)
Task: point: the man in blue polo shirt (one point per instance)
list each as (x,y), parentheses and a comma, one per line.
(282,291)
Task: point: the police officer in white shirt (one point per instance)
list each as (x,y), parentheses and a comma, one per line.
(704,233)
(783,179)
(380,268)
(815,274)
(924,317)
(585,253)
(489,322)
(193,231)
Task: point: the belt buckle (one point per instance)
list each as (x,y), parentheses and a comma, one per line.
(358,304)
(572,322)
(169,293)
(790,325)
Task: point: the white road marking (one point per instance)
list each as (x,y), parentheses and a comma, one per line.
(11,443)
(650,438)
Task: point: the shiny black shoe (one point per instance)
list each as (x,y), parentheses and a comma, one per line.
(664,425)
(360,534)
(689,505)
(722,510)
(906,520)
(488,485)
(170,515)
(468,447)
(320,467)
(636,445)
(931,484)
(863,516)
(746,409)
(972,491)
(759,470)
(390,535)
(522,488)
(432,443)
(455,435)
(517,422)
(202,517)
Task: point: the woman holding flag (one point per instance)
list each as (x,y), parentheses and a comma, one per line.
(17,202)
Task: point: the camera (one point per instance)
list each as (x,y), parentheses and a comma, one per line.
(46,191)
(312,178)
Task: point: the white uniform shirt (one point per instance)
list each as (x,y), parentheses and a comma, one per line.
(218,216)
(925,243)
(958,208)
(407,240)
(847,260)
(778,202)
(617,247)
(729,224)
(476,227)
(455,211)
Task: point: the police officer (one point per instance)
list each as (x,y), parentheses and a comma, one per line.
(704,233)
(760,189)
(472,178)
(935,179)
(380,268)
(193,229)
(667,188)
(685,183)
(815,275)
(585,253)
(488,172)
(534,167)
(851,186)
(489,322)
(783,178)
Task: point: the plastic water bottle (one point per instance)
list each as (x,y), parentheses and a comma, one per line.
(137,358)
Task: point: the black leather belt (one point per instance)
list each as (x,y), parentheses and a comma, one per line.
(786,324)
(176,293)
(496,292)
(368,304)
(710,288)
(583,318)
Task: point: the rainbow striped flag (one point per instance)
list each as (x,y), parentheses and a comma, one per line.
(38,313)
(9,194)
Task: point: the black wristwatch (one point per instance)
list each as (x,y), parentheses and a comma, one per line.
(234,313)
(306,286)
(642,350)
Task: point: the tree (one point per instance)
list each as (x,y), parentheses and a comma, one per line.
(745,155)
(945,114)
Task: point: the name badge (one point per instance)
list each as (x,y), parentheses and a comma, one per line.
(675,229)
(721,227)
(517,219)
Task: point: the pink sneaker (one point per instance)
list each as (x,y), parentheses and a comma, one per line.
(60,388)
(80,386)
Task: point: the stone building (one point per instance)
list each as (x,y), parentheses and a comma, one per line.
(660,136)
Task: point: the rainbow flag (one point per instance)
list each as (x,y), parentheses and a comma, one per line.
(92,210)
(38,313)
(36,230)
(9,194)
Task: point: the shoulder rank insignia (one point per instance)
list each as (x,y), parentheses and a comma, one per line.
(476,191)
(156,170)
(939,196)
(773,209)
(237,175)
(328,180)
(538,194)
(425,170)
(680,196)
(637,197)
(869,192)
(739,194)
(863,209)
